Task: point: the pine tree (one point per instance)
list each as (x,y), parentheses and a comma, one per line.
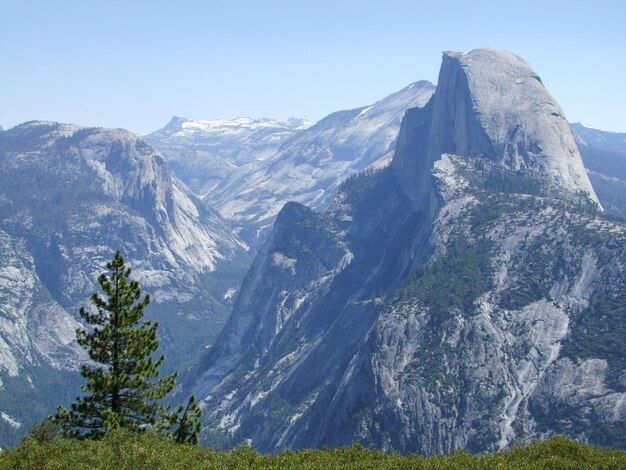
(123,387)
(188,430)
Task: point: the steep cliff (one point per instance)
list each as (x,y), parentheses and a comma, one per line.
(604,155)
(69,197)
(469,295)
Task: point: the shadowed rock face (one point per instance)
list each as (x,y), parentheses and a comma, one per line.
(310,165)
(462,297)
(490,103)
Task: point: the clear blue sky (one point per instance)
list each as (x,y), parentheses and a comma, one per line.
(135,64)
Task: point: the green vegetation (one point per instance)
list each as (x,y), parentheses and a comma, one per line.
(599,331)
(455,280)
(16,399)
(121,450)
(542,262)
(123,388)
(357,186)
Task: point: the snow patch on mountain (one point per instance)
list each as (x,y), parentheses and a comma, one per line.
(15,424)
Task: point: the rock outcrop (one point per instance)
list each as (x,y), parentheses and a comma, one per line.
(470,295)
(490,103)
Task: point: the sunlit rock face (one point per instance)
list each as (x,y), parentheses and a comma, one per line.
(69,197)
(249,168)
(490,103)
(463,297)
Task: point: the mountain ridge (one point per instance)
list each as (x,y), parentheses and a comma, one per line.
(441,302)
(70,196)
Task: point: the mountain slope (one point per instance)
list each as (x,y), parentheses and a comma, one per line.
(604,155)
(469,295)
(309,166)
(201,153)
(69,197)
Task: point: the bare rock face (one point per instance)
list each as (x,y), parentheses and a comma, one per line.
(604,156)
(470,295)
(27,334)
(490,103)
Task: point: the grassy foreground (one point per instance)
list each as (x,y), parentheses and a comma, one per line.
(121,450)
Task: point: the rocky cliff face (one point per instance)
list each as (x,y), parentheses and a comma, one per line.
(469,295)
(309,166)
(69,197)
(202,153)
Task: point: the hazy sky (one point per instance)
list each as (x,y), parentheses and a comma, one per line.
(135,64)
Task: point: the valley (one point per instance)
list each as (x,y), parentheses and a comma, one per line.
(441,269)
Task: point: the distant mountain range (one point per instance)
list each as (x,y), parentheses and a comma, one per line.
(202,153)
(469,238)
(471,294)
(604,155)
(280,162)
(70,197)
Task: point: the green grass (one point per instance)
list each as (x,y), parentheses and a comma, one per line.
(120,450)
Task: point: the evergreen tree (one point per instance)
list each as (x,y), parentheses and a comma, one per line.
(123,387)
(188,430)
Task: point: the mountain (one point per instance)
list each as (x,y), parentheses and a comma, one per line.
(69,197)
(202,153)
(604,155)
(309,166)
(468,295)
(603,140)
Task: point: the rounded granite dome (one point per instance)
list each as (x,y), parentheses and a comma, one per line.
(491,103)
